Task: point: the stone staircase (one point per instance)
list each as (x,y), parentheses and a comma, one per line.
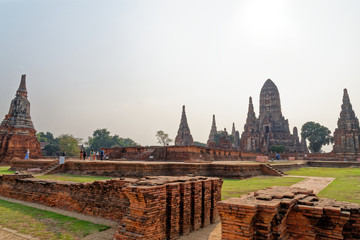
(50,169)
(268,169)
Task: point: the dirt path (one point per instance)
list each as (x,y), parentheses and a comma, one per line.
(104,235)
(9,234)
(313,183)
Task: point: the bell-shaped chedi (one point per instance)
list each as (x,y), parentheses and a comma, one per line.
(347,133)
(183,137)
(17,133)
(211,141)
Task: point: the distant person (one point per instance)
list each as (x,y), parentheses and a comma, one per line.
(81,154)
(101,155)
(97,155)
(92,155)
(27,155)
(63,154)
(278,156)
(84,155)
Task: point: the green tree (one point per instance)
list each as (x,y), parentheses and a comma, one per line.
(52,146)
(163,138)
(277,148)
(200,144)
(123,142)
(69,144)
(101,138)
(46,137)
(51,149)
(317,135)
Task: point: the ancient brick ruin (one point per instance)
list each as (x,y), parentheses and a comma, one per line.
(347,133)
(288,213)
(224,141)
(211,141)
(270,128)
(147,208)
(17,133)
(183,137)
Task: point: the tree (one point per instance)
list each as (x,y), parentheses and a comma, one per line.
(69,144)
(200,144)
(51,149)
(317,135)
(52,146)
(277,148)
(101,138)
(163,138)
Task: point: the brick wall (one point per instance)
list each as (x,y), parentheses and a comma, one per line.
(23,164)
(173,153)
(141,169)
(288,213)
(147,208)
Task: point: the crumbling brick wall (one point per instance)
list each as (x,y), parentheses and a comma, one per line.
(288,213)
(147,208)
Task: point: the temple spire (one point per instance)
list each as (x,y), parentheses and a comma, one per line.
(347,133)
(22,87)
(233,131)
(184,137)
(213,131)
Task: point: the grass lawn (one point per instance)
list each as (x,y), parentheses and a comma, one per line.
(346,186)
(4,170)
(43,224)
(73,178)
(236,188)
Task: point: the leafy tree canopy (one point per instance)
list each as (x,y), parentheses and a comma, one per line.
(163,138)
(317,135)
(101,138)
(69,144)
(46,137)
(200,144)
(277,148)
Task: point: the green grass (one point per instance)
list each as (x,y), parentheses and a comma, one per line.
(236,188)
(73,178)
(44,224)
(4,170)
(346,186)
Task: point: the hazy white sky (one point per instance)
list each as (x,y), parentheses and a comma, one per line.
(129,66)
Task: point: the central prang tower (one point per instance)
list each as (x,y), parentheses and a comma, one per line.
(271,128)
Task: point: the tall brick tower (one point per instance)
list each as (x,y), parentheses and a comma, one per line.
(270,128)
(347,134)
(17,133)
(213,131)
(184,137)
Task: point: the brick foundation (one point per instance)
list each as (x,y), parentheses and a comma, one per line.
(147,208)
(174,153)
(288,213)
(141,169)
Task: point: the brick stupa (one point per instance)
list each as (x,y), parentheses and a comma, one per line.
(17,133)
(184,137)
(347,134)
(270,128)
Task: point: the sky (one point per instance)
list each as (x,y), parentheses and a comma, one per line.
(129,66)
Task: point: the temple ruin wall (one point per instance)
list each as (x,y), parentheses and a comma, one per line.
(151,208)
